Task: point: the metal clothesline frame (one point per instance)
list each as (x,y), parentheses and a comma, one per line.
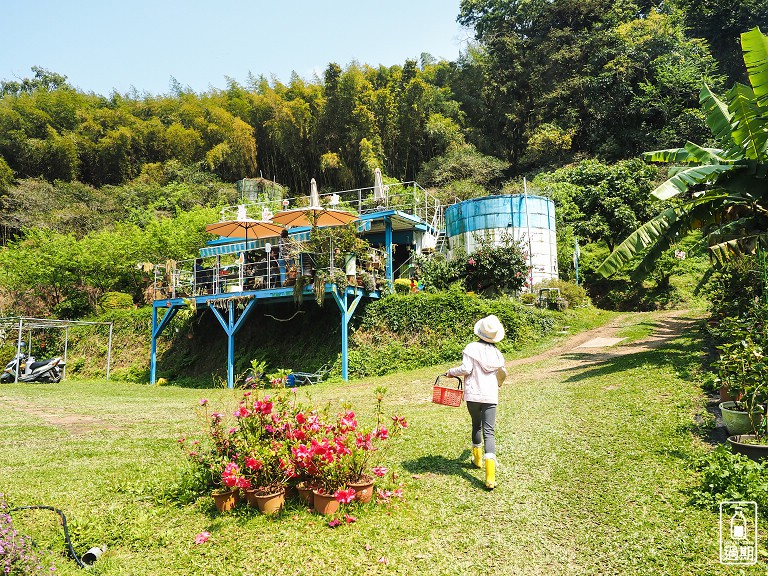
(21,323)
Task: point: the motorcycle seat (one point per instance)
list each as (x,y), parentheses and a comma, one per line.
(40,364)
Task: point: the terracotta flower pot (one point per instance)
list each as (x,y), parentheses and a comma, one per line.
(269,503)
(250,497)
(305,494)
(363,487)
(226,501)
(324,503)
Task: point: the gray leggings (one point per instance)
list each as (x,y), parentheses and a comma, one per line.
(483,422)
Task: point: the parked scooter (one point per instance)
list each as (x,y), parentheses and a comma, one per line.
(31,370)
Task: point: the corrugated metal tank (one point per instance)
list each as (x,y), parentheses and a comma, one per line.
(469,221)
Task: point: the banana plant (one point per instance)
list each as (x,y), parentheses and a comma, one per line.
(721,191)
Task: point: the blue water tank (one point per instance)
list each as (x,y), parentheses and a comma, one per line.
(529,219)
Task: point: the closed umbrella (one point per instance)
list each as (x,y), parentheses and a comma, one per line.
(378,187)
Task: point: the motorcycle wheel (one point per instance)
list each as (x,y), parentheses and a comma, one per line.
(5,378)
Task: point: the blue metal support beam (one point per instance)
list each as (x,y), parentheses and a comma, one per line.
(388,246)
(157,328)
(347,311)
(231,326)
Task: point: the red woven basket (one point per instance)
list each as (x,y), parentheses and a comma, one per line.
(447,396)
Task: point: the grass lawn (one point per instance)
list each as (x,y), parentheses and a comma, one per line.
(595,460)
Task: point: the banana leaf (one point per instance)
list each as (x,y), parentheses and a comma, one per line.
(687,177)
(690,215)
(748,123)
(718,115)
(675,155)
(700,215)
(755,46)
(723,251)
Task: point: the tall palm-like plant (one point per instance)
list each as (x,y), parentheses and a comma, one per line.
(724,191)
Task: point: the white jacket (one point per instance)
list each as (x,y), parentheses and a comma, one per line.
(483,371)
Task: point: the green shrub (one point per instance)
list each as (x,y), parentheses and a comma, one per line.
(402,286)
(438,272)
(497,266)
(401,332)
(115,301)
(728,476)
(528,298)
(576,295)
(733,288)
(75,305)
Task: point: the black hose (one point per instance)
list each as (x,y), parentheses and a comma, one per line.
(63,523)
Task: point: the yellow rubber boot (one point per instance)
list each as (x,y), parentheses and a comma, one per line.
(490,471)
(477,456)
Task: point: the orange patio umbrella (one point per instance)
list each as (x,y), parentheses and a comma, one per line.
(314,214)
(245,227)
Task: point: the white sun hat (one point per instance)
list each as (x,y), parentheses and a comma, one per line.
(489,329)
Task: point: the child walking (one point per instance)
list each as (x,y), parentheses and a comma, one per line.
(483,370)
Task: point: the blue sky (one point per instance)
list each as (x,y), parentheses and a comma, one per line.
(106,45)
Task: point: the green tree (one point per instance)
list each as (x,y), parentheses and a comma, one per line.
(720,24)
(6,175)
(592,68)
(601,202)
(719,190)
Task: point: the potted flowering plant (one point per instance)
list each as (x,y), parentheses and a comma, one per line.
(213,461)
(265,474)
(260,438)
(323,461)
(742,367)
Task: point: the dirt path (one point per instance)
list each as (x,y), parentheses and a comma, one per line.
(74,424)
(668,326)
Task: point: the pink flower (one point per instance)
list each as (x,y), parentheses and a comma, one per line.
(400,421)
(204,402)
(348,421)
(333,523)
(243,483)
(202,538)
(301,452)
(363,441)
(345,496)
(381,433)
(181,440)
(264,407)
(379,471)
(383,560)
(216,416)
(398,493)
(349,519)
(300,418)
(383,495)
(242,412)
(253,464)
